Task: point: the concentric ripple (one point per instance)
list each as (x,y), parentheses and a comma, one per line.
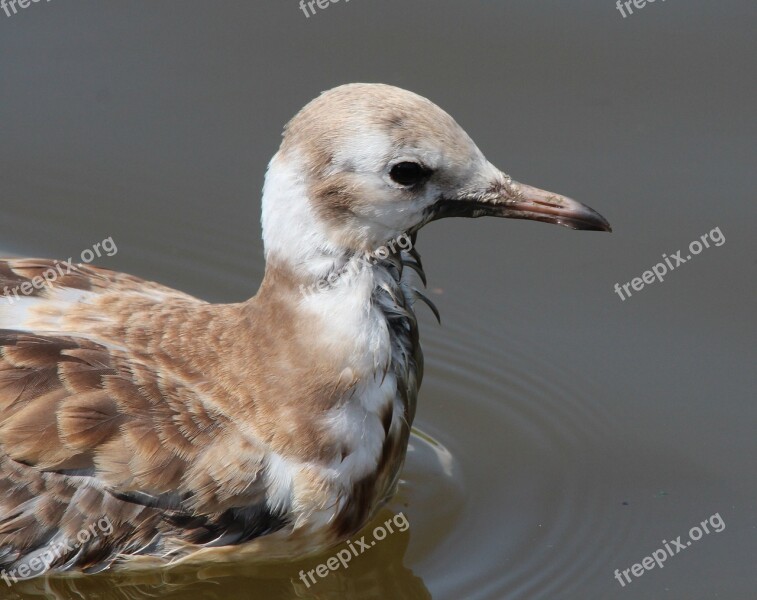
(530,449)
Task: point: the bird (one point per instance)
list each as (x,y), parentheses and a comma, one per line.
(141,426)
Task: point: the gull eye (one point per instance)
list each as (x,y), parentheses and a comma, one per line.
(408,173)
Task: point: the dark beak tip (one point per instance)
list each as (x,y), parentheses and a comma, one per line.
(595,222)
(604,226)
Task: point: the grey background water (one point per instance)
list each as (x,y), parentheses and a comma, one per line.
(571,432)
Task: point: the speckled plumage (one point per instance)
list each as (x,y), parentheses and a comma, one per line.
(269,428)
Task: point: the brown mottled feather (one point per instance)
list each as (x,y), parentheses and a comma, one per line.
(115,417)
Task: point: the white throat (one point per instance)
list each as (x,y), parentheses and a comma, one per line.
(292,231)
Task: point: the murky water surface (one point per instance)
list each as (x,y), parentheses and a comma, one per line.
(562,433)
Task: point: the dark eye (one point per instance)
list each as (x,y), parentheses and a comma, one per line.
(408,173)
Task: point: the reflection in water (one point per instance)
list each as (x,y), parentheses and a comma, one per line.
(378,574)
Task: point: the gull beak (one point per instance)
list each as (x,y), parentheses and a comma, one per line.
(513,200)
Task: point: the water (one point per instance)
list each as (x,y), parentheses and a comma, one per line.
(561,433)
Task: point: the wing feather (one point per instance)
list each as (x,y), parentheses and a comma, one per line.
(93,426)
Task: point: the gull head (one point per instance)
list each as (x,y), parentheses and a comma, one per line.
(364,163)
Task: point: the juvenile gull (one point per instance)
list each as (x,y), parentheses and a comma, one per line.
(270,428)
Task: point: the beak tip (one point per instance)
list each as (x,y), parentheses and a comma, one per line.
(591,220)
